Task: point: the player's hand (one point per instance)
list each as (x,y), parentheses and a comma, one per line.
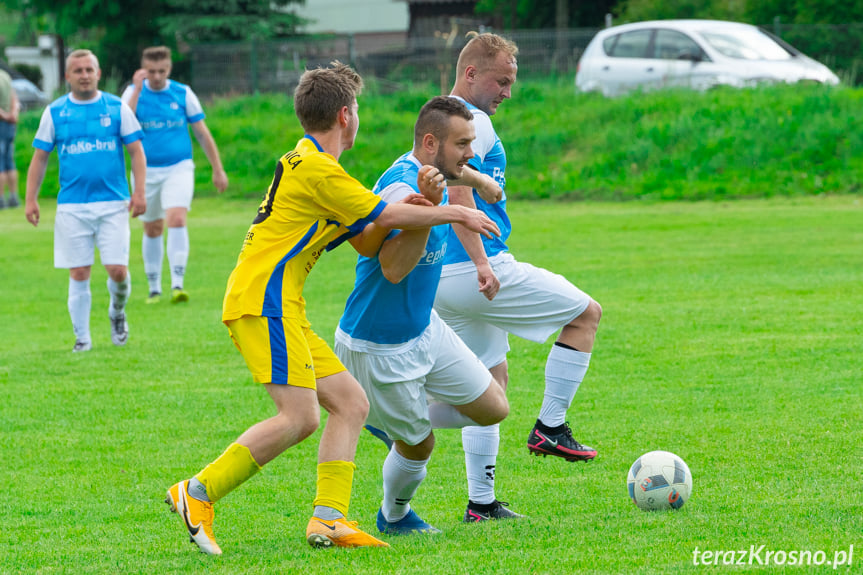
(137,204)
(489,285)
(431,184)
(489,190)
(220,180)
(31,210)
(138,78)
(416,200)
(477,221)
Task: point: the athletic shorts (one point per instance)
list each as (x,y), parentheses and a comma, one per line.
(397,381)
(281,351)
(78,228)
(170,187)
(7,147)
(532,303)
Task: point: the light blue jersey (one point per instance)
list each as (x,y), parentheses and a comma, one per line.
(489,158)
(165,116)
(89,137)
(378,311)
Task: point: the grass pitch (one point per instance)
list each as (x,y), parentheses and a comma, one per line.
(731,336)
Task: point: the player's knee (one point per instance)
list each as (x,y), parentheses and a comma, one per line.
(589,318)
(418,452)
(495,407)
(303,426)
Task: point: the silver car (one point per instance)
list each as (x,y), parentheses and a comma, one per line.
(696,54)
(30,96)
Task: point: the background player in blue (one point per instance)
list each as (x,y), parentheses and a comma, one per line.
(166,109)
(9,108)
(394,343)
(89,129)
(532,303)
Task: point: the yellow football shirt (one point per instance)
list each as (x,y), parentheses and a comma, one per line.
(311,205)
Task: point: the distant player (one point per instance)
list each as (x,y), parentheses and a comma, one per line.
(532,303)
(391,339)
(89,128)
(166,109)
(312,206)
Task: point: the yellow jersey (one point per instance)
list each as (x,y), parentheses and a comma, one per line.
(311,205)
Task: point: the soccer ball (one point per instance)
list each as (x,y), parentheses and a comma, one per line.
(659,480)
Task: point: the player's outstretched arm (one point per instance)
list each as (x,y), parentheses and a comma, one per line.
(487,188)
(35,175)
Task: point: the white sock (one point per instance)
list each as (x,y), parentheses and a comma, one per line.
(480,445)
(178,254)
(119,295)
(79,308)
(564,372)
(445,416)
(402,478)
(153,252)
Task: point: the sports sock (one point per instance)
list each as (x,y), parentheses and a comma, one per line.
(335,479)
(229,471)
(79,308)
(119,295)
(445,416)
(402,478)
(480,445)
(153,251)
(178,254)
(564,372)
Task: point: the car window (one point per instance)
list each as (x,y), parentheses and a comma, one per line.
(629,44)
(746,44)
(673,45)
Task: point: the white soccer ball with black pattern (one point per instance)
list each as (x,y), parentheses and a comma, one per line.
(659,480)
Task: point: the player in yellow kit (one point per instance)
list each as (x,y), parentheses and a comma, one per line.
(312,205)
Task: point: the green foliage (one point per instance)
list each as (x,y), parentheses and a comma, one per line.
(637,10)
(805,11)
(118,30)
(218,20)
(728,336)
(543,15)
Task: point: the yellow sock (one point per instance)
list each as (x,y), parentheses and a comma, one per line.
(335,479)
(226,473)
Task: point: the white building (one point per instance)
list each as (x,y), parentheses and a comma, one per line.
(354,16)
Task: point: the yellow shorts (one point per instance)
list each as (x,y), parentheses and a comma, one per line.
(281,351)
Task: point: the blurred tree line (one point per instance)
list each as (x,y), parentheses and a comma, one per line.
(118,30)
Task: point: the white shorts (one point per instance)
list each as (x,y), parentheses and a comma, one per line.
(171,187)
(532,303)
(397,381)
(80,227)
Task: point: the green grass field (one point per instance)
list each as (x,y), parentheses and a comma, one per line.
(731,336)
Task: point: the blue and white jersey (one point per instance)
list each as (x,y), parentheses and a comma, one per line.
(377,311)
(89,137)
(490,159)
(165,116)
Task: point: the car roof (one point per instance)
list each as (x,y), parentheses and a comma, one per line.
(677,25)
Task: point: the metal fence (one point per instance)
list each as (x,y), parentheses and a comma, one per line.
(242,68)
(275,66)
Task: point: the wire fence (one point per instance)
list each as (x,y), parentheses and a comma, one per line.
(395,61)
